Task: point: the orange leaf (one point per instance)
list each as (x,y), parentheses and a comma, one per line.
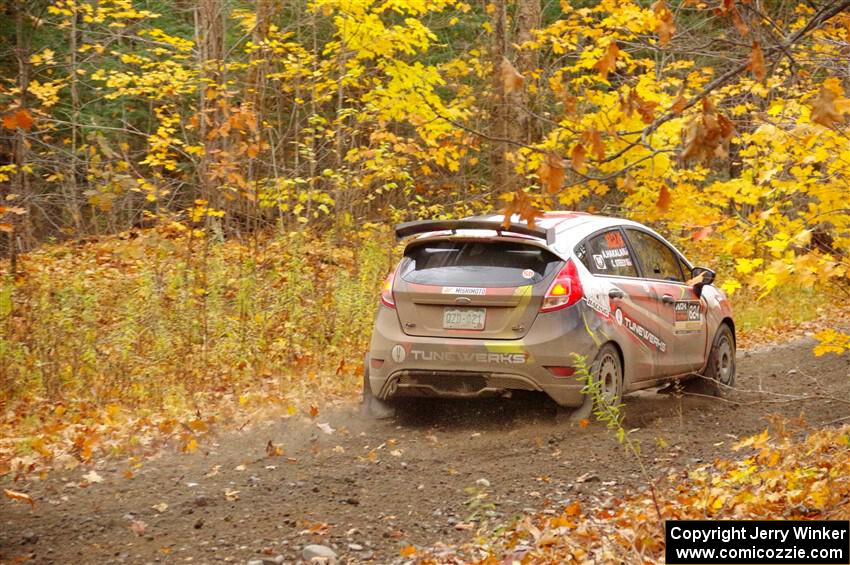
(314,411)
(578,156)
(583,423)
(511,79)
(608,62)
(19,496)
(8,228)
(756,65)
(664,198)
(10,122)
(24,119)
(407,551)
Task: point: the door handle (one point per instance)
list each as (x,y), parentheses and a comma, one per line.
(667,299)
(616,293)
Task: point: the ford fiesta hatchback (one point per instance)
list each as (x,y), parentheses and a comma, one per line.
(477,307)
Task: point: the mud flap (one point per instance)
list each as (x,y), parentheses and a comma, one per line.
(373,407)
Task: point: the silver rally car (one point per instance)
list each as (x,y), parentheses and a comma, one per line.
(476,307)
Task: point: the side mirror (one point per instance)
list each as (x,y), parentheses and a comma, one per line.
(701,277)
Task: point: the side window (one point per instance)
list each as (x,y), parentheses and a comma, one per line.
(607,254)
(658,260)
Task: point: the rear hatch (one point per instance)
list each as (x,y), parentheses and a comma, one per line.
(485,288)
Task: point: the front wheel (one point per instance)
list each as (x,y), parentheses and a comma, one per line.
(606,386)
(719,374)
(372,406)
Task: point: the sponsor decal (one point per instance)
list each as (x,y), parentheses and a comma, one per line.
(464,290)
(614,239)
(640,331)
(624,262)
(468,357)
(596,296)
(600,262)
(398,353)
(687,316)
(528,274)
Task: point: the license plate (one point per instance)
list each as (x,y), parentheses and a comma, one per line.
(464,318)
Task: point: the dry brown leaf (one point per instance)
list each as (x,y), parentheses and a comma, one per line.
(824,111)
(666,26)
(597,147)
(608,62)
(756,65)
(138,527)
(664,198)
(551,173)
(19,496)
(578,155)
(570,103)
(511,79)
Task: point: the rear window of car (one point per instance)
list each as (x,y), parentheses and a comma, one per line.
(477,263)
(607,254)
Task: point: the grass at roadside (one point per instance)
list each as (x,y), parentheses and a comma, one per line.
(116,345)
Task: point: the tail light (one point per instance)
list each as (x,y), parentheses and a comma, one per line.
(565,290)
(387,291)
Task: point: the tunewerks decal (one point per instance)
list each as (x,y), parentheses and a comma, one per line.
(468,357)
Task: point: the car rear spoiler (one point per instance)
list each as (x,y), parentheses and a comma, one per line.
(408,229)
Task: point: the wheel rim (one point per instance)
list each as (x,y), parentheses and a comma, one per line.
(725,361)
(609,376)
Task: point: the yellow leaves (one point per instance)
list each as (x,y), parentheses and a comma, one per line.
(756,64)
(608,62)
(746,266)
(831,341)
(512,81)
(45,57)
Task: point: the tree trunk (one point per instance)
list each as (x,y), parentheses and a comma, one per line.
(527,61)
(209,34)
(500,172)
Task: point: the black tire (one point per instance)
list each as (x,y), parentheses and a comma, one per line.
(606,368)
(372,406)
(719,375)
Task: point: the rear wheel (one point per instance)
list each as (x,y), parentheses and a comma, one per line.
(719,374)
(374,407)
(607,374)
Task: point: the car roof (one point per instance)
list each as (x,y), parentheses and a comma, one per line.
(570,225)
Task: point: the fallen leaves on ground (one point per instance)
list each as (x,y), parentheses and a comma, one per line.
(777,476)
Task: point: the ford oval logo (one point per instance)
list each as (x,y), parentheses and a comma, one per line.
(463,301)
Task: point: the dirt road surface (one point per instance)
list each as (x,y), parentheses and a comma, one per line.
(368,489)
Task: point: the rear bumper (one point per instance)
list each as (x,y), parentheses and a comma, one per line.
(403,365)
